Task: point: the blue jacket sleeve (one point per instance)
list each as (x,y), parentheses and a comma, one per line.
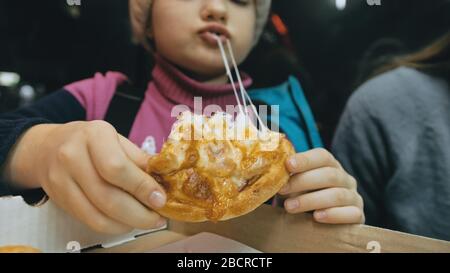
(58,107)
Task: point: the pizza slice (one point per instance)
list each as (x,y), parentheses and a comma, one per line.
(217,168)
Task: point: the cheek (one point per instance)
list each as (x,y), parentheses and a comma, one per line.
(169,24)
(242,22)
(169,36)
(244,43)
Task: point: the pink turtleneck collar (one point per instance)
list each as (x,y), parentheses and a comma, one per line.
(179,88)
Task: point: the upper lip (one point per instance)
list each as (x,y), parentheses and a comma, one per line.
(216,28)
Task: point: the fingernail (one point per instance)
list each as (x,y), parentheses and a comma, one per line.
(320,215)
(292,204)
(293,163)
(157,199)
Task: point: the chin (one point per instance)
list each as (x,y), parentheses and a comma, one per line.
(205,68)
(210,71)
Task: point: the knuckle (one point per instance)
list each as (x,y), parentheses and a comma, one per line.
(323,153)
(340,195)
(76,124)
(114,167)
(65,153)
(304,161)
(353,182)
(360,201)
(96,127)
(330,158)
(99,124)
(334,175)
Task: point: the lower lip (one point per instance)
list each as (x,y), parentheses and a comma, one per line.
(211,38)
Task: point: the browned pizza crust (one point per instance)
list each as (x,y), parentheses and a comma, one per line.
(196,194)
(19,249)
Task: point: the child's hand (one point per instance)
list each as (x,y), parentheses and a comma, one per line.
(92,172)
(320,184)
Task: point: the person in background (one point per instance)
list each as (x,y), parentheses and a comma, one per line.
(394,137)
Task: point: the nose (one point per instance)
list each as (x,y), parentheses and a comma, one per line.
(215,11)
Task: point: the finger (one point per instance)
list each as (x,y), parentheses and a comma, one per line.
(340,215)
(112,201)
(310,160)
(327,198)
(326,177)
(139,157)
(70,198)
(114,166)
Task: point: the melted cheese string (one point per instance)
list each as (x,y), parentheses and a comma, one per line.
(230,76)
(243,92)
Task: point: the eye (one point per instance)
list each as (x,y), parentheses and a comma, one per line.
(241,2)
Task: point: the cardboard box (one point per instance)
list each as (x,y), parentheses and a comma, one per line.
(50,229)
(267,229)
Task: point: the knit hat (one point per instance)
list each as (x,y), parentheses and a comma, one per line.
(137,15)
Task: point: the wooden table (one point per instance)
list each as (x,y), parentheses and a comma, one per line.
(271,229)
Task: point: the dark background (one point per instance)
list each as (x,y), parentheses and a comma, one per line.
(49,44)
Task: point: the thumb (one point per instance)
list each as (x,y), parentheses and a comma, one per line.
(139,157)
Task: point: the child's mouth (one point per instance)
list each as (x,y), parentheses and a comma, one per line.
(210,33)
(210,38)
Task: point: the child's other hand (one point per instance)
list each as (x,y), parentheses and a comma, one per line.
(320,184)
(93,173)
